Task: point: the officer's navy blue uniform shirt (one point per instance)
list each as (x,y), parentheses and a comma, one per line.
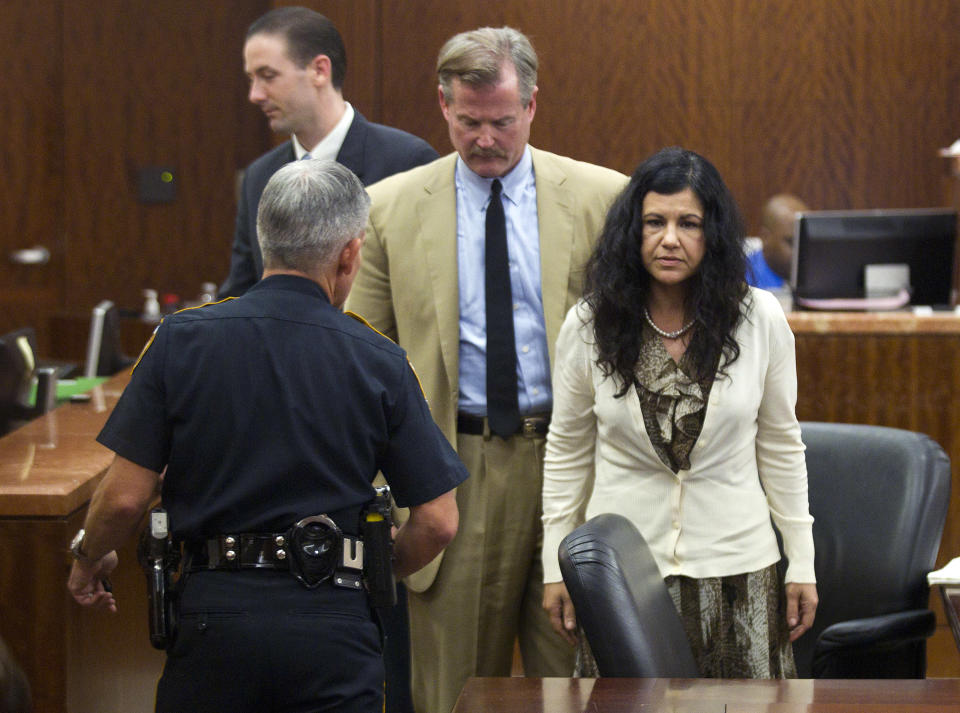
(275,406)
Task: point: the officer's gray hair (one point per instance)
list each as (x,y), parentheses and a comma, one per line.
(308,212)
(475,58)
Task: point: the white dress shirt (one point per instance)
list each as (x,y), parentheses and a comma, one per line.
(329,145)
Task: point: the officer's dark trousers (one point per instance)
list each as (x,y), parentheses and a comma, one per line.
(261,642)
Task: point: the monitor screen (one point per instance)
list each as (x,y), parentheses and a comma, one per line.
(104,354)
(832,250)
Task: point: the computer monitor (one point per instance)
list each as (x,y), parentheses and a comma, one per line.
(105,356)
(832,249)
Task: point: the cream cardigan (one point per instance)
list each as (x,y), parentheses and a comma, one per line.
(747,465)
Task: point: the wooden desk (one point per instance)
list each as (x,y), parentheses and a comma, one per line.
(662,695)
(889,369)
(76,660)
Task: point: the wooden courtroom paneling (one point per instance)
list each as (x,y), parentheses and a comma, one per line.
(153,83)
(843,102)
(31,157)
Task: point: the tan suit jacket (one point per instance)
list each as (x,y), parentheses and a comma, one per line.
(408,285)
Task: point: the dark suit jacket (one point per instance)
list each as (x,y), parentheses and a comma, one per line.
(372,151)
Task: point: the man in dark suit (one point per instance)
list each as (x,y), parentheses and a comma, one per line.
(296,63)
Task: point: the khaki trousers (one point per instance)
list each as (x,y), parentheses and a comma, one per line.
(489,588)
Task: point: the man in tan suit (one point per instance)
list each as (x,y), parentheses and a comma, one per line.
(428,282)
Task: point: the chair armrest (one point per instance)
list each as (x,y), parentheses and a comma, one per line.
(877,632)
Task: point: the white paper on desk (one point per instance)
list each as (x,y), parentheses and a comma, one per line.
(948,574)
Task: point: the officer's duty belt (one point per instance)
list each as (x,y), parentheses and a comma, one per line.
(530,427)
(269,551)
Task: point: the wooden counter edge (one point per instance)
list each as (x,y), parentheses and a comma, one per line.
(874,323)
(60,497)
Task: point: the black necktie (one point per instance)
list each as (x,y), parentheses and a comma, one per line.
(503,413)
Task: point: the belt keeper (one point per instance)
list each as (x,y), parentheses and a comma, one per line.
(350,573)
(352,553)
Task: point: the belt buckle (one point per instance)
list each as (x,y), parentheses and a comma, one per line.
(532,425)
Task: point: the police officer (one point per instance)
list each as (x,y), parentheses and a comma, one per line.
(266,410)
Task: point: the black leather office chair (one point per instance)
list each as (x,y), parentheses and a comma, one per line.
(622,602)
(18,367)
(879,499)
(14,386)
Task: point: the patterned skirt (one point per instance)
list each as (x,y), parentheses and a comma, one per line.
(737,626)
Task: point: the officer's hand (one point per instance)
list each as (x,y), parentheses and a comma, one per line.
(556,601)
(89,583)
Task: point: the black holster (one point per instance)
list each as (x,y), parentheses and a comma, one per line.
(376,523)
(160,559)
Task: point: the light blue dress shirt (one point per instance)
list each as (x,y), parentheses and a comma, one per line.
(523,245)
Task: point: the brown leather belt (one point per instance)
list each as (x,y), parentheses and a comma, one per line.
(535,426)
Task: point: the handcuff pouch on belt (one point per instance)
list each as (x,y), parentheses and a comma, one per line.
(316,548)
(319,551)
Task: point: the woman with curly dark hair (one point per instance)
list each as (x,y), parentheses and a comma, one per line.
(674,405)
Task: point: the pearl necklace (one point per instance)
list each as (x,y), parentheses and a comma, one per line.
(664,333)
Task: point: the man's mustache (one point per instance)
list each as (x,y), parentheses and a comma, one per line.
(488,153)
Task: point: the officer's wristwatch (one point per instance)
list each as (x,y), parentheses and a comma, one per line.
(76,546)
